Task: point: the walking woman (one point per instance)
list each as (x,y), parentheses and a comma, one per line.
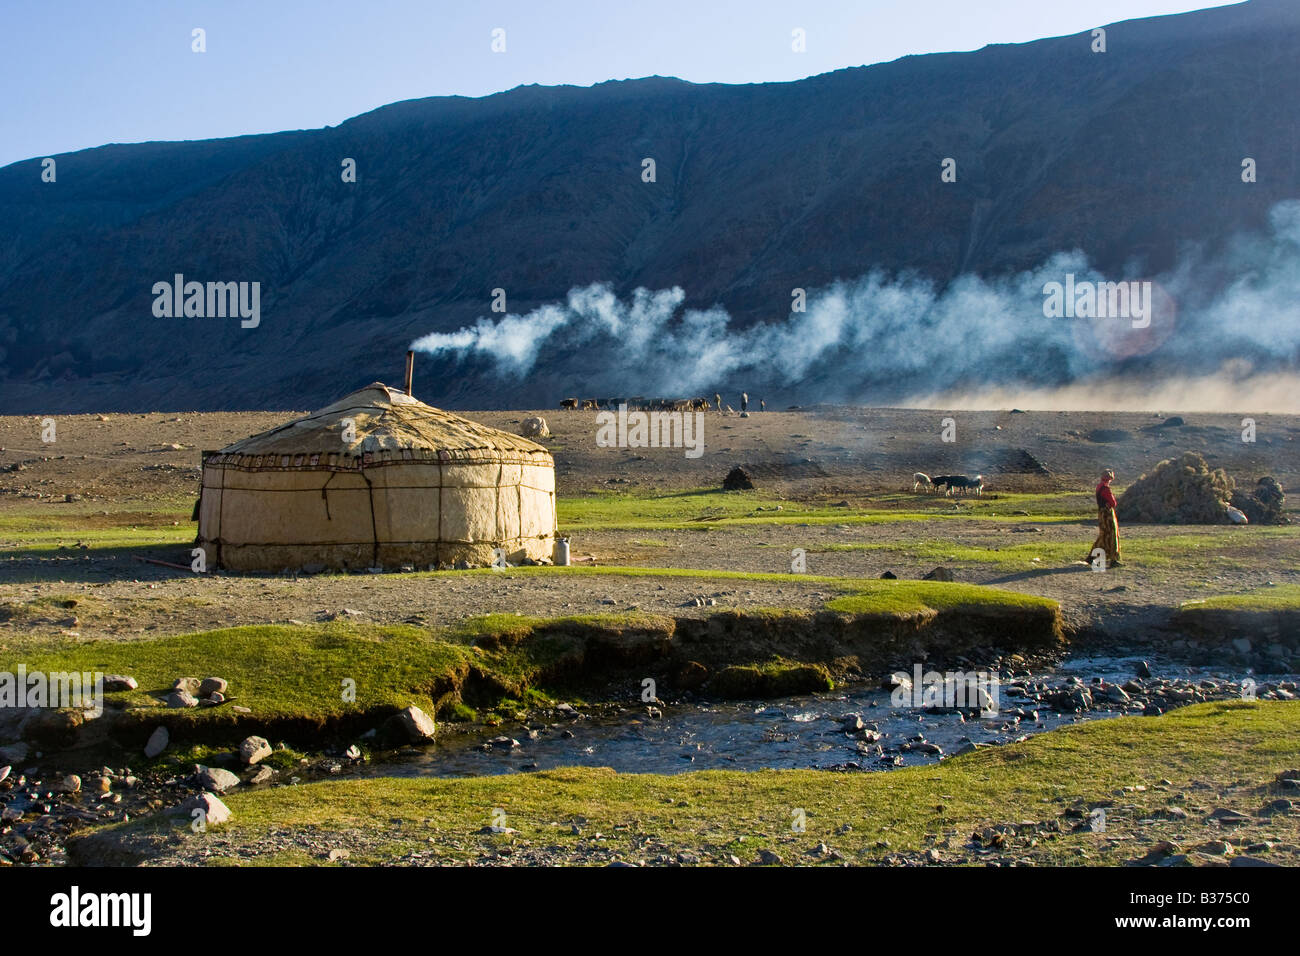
(1107,523)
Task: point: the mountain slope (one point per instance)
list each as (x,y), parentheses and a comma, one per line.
(1128,156)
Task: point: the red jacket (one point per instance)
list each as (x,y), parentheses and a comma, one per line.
(1105,497)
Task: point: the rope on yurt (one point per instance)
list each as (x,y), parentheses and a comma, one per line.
(325,497)
(374,525)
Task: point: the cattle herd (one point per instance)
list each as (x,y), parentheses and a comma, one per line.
(958,484)
(637,403)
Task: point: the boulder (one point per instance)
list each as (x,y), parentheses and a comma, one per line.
(254,750)
(190,685)
(939,574)
(180,699)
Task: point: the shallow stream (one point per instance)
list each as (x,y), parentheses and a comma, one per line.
(797,732)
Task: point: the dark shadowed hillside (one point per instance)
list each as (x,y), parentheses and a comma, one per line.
(1129,156)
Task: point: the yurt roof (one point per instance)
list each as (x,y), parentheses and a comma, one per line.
(384,420)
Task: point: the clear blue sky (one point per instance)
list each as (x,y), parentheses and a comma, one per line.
(88,72)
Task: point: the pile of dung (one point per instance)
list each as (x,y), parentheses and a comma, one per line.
(1264,503)
(737,480)
(1178,491)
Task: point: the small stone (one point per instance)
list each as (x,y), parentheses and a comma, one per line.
(213,810)
(188,684)
(158,741)
(181,699)
(769,858)
(118,682)
(1215,848)
(264,775)
(1229,817)
(415,724)
(216,779)
(338,853)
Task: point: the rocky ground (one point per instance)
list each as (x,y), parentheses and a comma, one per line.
(1255,824)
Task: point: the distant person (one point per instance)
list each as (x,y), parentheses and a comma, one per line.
(762,405)
(717,399)
(744,401)
(1107,522)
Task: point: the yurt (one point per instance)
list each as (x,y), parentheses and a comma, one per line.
(377,479)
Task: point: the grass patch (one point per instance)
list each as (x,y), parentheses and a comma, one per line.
(279,671)
(72,527)
(704,508)
(905,597)
(1279,597)
(1199,549)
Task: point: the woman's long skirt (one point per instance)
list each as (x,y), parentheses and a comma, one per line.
(1108,536)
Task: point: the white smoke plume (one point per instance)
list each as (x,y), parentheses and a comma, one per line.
(902,339)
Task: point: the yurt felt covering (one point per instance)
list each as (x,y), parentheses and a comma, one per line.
(377,479)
